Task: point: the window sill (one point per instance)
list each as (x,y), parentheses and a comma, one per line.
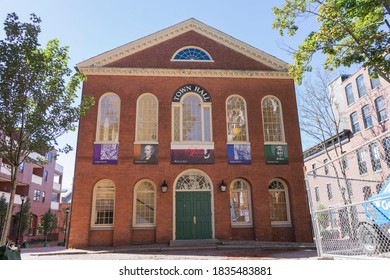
(281,225)
(102,228)
(143,227)
(242,226)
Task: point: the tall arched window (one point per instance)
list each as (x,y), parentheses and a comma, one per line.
(147,118)
(240,203)
(144,204)
(236,119)
(103,204)
(279,203)
(191,119)
(108,118)
(272,120)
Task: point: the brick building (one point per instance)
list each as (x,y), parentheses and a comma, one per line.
(179,115)
(41,183)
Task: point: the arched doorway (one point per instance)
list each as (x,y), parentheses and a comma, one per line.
(193,209)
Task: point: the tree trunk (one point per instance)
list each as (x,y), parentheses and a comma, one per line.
(8,217)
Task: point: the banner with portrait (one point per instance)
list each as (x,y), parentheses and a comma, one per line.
(146,153)
(239,153)
(189,154)
(105,153)
(276,154)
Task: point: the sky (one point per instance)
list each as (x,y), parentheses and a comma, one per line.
(91,27)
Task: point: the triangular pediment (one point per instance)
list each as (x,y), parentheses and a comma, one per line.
(109,58)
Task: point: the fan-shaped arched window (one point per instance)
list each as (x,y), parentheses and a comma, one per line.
(108,118)
(191,54)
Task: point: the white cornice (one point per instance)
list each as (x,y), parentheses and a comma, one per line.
(153,72)
(178,29)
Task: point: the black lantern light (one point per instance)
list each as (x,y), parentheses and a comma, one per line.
(223,186)
(164,187)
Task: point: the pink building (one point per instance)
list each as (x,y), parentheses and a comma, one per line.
(40,183)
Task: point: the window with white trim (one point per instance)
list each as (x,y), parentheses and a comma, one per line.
(381,109)
(349,94)
(103,204)
(279,203)
(361,86)
(375,157)
(236,119)
(355,122)
(192,53)
(147,118)
(272,119)
(144,204)
(367,119)
(191,119)
(240,203)
(107,130)
(362,164)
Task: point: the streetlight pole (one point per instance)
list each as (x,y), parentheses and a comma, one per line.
(66,225)
(22,197)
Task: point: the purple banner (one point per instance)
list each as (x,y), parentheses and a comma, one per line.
(182,154)
(105,153)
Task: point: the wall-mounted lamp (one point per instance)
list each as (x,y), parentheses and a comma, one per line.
(223,186)
(164,187)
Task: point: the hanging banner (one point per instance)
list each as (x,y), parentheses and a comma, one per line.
(239,153)
(105,153)
(276,154)
(146,153)
(189,154)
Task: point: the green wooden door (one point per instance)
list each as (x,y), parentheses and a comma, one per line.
(193,215)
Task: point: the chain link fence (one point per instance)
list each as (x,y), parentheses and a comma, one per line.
(349,199)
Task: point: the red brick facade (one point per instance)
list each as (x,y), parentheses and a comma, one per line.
(220,85)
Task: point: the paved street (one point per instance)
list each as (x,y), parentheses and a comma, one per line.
(193,253)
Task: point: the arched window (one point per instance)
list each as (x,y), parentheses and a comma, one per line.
(236,119)
(191,119)
(108,119)
(144,204)
(240,203)
(272,120)
(279,203)
(147,118)
(192,54)
(103,204)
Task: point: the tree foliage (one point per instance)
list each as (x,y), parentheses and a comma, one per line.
(37,96)
(350,32)
(48,223)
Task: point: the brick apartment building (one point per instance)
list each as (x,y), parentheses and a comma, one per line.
(362,108)
(194,135)
(41,183)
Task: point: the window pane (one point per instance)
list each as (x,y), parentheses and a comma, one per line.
(147,118)
(176,124)
(108,123)
(236,119)
(361,86)
(145,204)
(192,125)
(240,202)
(207,124)
(104,205)
(278,202)
(349,94)
(355,123)
(272,120)
(367,119)
(381,109)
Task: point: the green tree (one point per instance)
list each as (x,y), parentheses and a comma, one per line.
(349,32)
(37,98)
(48,223)
(3,210)
(26,216)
